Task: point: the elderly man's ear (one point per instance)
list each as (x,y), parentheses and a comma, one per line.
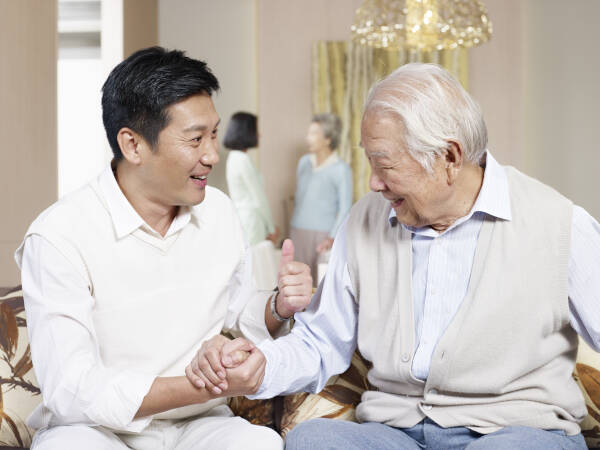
(454,161)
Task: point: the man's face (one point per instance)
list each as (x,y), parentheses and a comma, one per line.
(315,138)
(418,197)
(176,172)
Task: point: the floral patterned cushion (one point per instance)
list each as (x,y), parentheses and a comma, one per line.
(19,392)
(337,400)
(587,374)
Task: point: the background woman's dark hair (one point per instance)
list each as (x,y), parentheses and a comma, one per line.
(139,90)
(241,132)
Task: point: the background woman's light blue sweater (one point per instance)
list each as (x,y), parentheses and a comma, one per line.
(323,194)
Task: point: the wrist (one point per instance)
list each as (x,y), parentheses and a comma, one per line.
(279,312)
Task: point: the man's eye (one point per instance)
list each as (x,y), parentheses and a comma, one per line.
(197,139)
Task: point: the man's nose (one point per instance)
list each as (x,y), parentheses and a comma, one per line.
(376,183)
(210,156)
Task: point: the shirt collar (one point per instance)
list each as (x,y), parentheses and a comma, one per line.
(493,198)
(331,159)
(124,217)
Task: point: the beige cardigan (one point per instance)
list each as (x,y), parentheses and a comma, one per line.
(507,356)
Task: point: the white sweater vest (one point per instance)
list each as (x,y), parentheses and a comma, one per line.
(156,300)
(507,356)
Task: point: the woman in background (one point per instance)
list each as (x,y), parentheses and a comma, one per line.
(323,192)
(247,192)
(244,181)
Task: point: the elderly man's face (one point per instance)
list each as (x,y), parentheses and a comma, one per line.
(418,197)
(175,174)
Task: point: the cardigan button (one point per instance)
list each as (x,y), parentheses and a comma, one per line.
(433,392)
(427,407)
(405,357)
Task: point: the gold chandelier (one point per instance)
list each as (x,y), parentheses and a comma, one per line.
(421,24)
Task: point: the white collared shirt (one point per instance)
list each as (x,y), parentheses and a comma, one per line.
(324,337)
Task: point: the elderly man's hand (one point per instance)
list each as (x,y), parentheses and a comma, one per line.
(295,283)
(244,377)
(206,369)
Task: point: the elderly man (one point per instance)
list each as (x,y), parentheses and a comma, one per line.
(125,278)
(464,282)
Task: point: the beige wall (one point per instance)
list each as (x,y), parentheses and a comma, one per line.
(140,30)
(538,84)
(222,33)
(561,94)
(286,33)
(496,80)
(28,161)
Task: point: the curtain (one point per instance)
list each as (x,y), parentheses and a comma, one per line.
(342,74)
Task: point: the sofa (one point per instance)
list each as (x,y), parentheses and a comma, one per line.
(19,392)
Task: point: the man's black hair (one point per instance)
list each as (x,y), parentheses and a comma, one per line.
(241,132)
(139,90)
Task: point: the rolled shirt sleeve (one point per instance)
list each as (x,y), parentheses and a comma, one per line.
(76,386)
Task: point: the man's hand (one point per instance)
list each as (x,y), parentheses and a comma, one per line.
(244,377)
(325,244)
(294,283)
(206,370)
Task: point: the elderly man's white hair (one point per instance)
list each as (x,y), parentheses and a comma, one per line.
(434,109)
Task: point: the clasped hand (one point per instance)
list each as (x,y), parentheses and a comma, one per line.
(227,368)
(237,367)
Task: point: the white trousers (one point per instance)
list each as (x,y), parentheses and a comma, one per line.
(217,430)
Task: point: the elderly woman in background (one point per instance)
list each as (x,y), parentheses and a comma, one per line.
(323,193)
(247,191)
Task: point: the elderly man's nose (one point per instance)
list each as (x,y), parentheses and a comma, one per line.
(376,183)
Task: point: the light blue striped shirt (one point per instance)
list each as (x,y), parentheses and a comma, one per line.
(323,339)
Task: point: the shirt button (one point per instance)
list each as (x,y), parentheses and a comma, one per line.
(427,407)
(433,391)
(405,357)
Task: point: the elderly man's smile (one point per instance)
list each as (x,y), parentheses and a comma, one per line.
(397,202)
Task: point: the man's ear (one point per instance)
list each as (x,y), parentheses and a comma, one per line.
(132,145)
(454,159)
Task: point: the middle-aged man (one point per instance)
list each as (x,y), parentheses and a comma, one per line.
(124,278)
(464,283)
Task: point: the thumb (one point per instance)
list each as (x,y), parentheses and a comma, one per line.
(287,253)
(227,352)
(239,356)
